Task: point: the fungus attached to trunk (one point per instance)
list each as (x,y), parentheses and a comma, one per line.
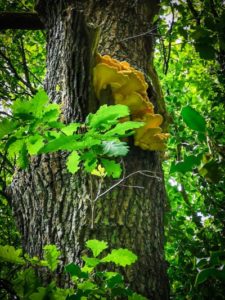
(129,87)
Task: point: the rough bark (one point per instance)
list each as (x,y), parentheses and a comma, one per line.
(53,206)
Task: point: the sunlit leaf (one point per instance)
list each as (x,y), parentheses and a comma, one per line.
(10,254)
(121,257)
(193,119)
(96,246)
(72,162)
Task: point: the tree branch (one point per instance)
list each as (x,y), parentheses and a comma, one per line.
(12,68)
(25,67)
(194,12)
(25,20)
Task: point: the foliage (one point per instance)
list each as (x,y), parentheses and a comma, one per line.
(194,169)
(33,128)
(88,282)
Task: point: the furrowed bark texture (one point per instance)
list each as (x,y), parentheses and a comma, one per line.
(53,206)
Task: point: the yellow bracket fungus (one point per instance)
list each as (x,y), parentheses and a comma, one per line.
(129,87)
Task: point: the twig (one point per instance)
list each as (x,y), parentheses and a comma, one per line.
(166,61)
(99,194)
(5,113)
(132,186)
(141,172)
(25,67)
(12,68)
(138,35)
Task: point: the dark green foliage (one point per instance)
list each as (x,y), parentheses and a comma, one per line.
(86,282)
(194,94)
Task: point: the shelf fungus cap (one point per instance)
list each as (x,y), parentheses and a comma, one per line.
(152,139)
(135,102)
(120,76)
(129,88)
(150,136)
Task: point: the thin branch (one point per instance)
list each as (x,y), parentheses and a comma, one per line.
(166,61)
(25,20)
(25,67)
(5,113)
(132,186)
(139,35)
(12,68)
(141,172)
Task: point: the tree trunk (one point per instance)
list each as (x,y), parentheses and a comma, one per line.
(53,206)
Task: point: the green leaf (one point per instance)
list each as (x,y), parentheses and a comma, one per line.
(51,255)
(71,128)
(33,108)
(7,126)
(75,270)
(186,165)
(96,246)
(15,147)
(51,114)
(39,100)
(22,160)
(90,161)
(87,286)
(107,116)
(34,144)
(115,148)
(91,261)
(10,254)
(25,283)
(204,274)
(112,168)
(124,129)
(114,281)
(41,294)
(72,162)
(60,143)
(121,257)
(59,294)
(193,119)
(23,109)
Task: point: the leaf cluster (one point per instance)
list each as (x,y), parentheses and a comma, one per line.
(194,93)
(87,282)
(34,128)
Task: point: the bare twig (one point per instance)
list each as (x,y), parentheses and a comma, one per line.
(12,68)
(5,113)
(118,183)
(132,186)
(141,172)
(139,35)
(25,67)
(166,61)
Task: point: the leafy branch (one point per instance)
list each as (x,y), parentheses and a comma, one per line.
(34,128)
